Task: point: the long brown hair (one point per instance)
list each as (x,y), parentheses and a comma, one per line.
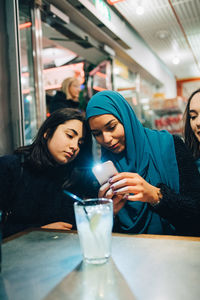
(37,153)
(189,136)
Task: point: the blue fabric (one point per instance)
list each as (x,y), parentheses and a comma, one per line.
(150,153)
(198,164)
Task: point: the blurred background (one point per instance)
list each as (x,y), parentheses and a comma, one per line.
(147,50)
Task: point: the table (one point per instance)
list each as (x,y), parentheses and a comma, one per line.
(47,264)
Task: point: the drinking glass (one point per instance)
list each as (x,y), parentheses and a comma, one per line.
(94,220)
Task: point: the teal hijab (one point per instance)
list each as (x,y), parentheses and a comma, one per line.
(150,153)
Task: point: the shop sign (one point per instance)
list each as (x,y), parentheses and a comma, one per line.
(120,69)
(54,77)
(112,2)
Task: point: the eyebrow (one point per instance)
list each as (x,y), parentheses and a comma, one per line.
(74,131)
(192,111)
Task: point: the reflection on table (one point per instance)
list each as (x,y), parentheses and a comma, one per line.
(48,265)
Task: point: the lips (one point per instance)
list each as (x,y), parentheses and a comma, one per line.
(69,154)
(114,146)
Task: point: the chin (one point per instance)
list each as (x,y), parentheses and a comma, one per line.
(117,151)
(198,138)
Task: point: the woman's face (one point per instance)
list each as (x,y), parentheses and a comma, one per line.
(75,89)
(109,132)
(195,115)
(65,143)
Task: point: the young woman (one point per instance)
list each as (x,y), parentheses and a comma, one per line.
(192,125)
(158,186)
(68,96)
(32,180)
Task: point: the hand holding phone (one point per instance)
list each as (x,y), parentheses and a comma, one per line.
(104,171)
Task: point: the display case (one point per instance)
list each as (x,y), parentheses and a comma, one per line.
(168,114)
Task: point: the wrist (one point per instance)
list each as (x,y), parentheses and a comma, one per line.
(156,197)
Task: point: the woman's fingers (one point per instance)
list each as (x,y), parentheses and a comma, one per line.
(58,225)
(137,197)
(103,190)
(127,181)
(118,203)
(66,225)
(123,175)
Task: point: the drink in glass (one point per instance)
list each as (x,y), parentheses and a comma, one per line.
(94,221)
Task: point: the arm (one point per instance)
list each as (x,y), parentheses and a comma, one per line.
(9,174)
(183,209)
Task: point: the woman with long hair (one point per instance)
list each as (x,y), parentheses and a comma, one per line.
(192,125)
(33,178)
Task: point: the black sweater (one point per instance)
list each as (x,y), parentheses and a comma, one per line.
(183,209)
(34,198)
(59,101)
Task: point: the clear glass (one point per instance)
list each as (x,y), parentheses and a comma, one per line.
(94,222)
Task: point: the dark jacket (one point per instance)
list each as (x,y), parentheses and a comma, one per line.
(60,101)
(181,210)
(34,198)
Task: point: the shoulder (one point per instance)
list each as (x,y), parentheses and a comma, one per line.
(9,160)
(57,102)
(9,165)
(181,149)
(59,95)
(185,160)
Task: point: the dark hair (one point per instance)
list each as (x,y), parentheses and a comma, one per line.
(190,138)
(37,153)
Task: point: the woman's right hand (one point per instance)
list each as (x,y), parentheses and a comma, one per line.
(58,225)
(118,200)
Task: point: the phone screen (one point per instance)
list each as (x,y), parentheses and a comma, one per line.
(104,171)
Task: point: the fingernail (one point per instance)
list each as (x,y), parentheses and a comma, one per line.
(110,180)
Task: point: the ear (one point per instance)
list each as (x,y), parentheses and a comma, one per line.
(45,135)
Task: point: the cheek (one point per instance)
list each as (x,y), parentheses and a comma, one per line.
(192,124)
(99,139)
(122,133)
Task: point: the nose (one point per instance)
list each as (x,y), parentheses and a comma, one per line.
(107,137)
(198,120)
(74,144)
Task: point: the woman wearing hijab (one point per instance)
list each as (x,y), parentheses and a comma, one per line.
(192,126)
(157,190)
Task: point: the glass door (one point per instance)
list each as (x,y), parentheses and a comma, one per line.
(31,69)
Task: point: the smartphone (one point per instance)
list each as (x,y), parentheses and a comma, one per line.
(104,171)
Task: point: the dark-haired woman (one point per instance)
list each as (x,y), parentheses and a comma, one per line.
(192,126)
(32,180)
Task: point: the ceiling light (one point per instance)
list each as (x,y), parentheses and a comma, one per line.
(176,60)
(162,34)
(140,10)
